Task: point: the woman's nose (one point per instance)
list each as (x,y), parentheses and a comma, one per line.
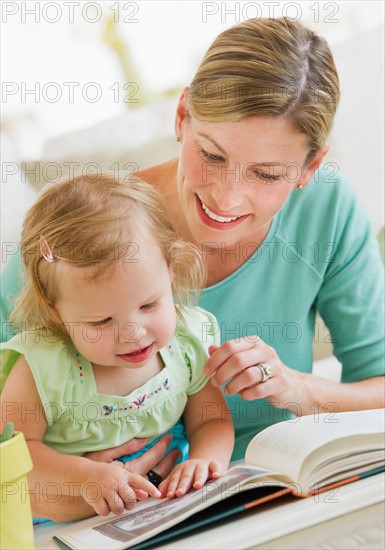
(228,196)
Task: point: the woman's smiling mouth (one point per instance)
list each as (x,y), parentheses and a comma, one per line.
(215,220)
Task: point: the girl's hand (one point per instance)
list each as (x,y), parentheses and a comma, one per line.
(153,459)
(192,473)
(115,490)
(235,363)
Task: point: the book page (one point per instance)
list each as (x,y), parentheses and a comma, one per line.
(284,447)
(144,522)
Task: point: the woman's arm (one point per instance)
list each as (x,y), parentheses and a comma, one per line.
(235,363)
(210,432)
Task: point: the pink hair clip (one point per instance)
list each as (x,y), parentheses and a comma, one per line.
(45,250)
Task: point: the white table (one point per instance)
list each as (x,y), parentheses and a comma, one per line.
(350,517)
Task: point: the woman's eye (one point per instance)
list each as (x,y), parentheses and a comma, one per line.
(264,176)
(211,157)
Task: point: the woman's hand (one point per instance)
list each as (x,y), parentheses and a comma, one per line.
(153,459)
(235,362)
(192,473)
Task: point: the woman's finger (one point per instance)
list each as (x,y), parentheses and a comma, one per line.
(225,352)
(241,364)
(164,467)
(109,455)
(150,458)
(213,348)
(244,378)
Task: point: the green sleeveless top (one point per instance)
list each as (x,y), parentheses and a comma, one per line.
(80,419)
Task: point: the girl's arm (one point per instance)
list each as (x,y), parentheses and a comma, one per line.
(105,487)
(210,432)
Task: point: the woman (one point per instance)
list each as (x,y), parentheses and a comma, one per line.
(282,237)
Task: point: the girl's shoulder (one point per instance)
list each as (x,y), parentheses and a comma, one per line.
(47,356)
(195,333)
(196,322)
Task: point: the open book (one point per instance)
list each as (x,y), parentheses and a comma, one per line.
(300,457)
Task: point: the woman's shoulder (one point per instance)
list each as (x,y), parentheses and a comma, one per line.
(328,186)
(324,207)
(161,175)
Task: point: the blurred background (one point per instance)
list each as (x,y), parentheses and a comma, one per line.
(89,85)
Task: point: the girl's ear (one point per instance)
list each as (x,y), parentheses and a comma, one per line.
(308,171)
(181,113)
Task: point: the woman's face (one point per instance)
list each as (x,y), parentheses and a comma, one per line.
(233,177)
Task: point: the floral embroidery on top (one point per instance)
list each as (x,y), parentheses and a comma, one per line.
(171,350)
(80,367)
(139,401)
(188,364)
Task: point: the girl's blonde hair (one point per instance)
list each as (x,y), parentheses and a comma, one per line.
(268,67)
(94,222)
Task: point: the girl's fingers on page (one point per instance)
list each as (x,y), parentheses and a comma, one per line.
(140,494)
(99,505)
(215,468)
(173,482)
(186,481)
(118,499)
(200,476)
(189,471)
(138,482)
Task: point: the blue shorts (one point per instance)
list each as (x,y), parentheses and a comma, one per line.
(179,441)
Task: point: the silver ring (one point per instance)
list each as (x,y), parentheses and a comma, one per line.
(266,371)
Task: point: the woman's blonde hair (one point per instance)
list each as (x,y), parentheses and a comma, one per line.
(94,221)
(268,67)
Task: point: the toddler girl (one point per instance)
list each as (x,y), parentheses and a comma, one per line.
(104,354)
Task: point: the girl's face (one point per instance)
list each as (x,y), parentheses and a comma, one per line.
(233,177)
(123,319)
